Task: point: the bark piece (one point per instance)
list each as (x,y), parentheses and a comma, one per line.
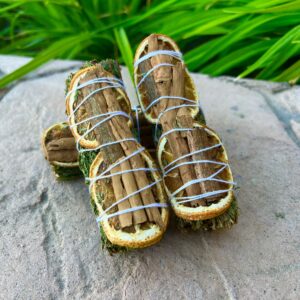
(170,81)
(94,106)
(60,146)
(120,193)
(121,132)
(163,74)
(67,143)
(177,143)
(198,139)
(98,104)
(62,156)
(62,133)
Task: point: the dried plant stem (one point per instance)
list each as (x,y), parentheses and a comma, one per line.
(119,191)
(62,149)
(117,129)
(67,143)
(62,155)
(97,105)
(121,132)
(167,80)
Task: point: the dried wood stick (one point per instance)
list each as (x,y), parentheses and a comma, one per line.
(141,178)
(62,155)
(62,149)
(67,143)
(130,181)
(149,82)
(119,191)
(151,90)
(97,105)
(197,139)
(177,143)
(92,108)
(62,133)
(163,74)
(121,132)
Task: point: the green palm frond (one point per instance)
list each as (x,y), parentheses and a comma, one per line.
(259,39)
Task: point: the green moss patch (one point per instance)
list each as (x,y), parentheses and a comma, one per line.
(224,221)
(67,173)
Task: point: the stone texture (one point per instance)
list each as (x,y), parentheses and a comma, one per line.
(49,240)
(9,63)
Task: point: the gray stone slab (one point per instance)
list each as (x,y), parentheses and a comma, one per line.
(49,241)
(9,63)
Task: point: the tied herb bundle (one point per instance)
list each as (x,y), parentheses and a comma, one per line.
(59,149)
(166,93)
(136,228)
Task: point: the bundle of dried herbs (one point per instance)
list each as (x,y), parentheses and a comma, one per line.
(59,149)
(65,163)
(197,177)
(91,106)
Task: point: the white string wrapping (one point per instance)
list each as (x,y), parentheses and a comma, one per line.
(175,54)
(110,80)
(174,164)
(151,70)
(112,83)
(110,116)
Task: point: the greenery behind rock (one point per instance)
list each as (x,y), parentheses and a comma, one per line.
(258,39)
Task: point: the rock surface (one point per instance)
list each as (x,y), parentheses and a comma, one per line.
(49,240)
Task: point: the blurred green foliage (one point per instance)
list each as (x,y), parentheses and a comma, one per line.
(258,38)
